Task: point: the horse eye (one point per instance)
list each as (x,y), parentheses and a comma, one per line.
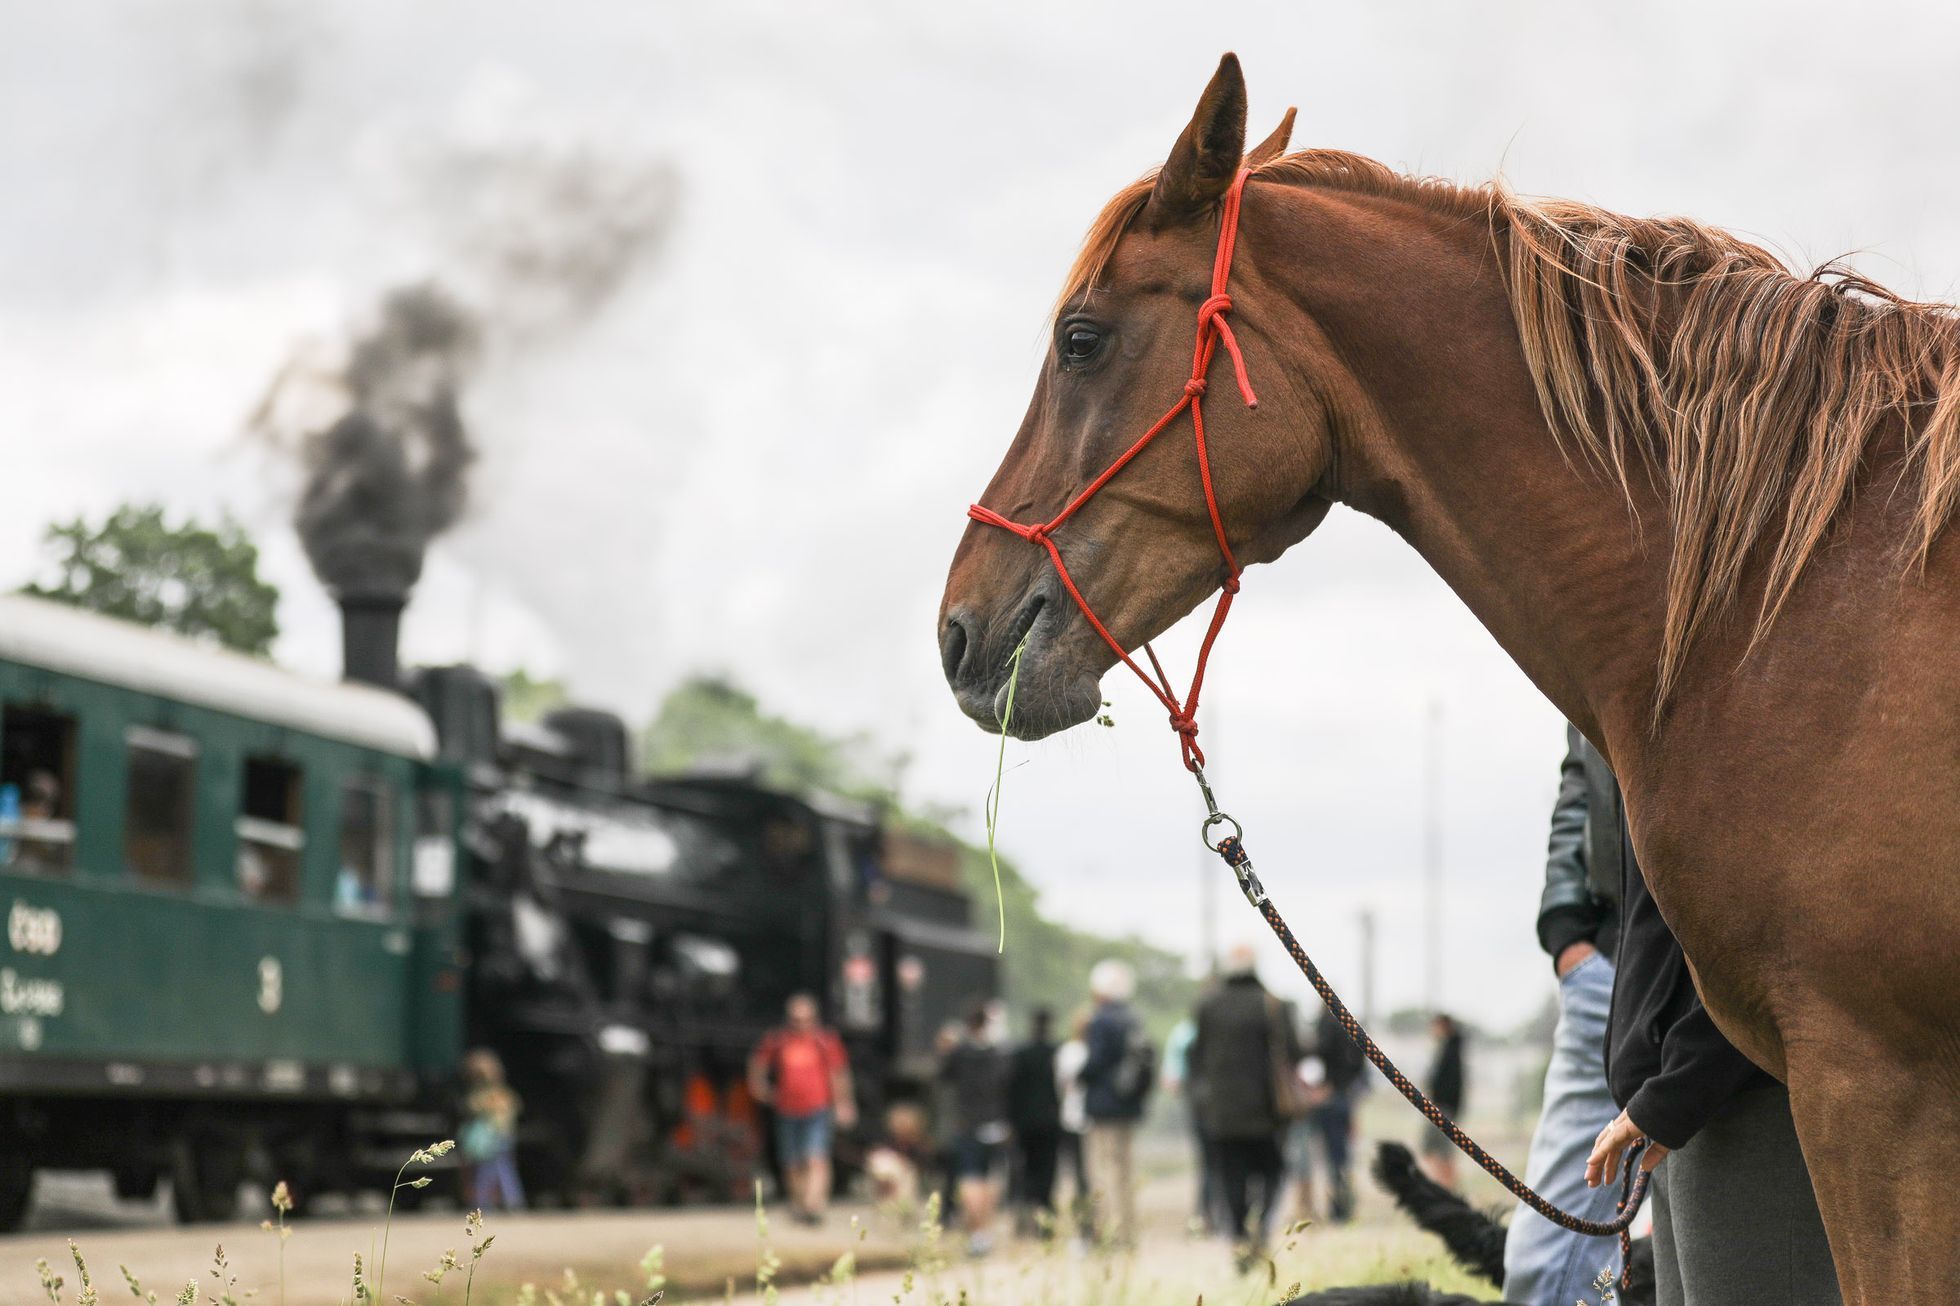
(1080,343)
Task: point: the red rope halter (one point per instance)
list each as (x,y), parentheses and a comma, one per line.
(1213,331)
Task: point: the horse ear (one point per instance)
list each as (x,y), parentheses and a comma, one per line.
(1206,157)
(1273,146)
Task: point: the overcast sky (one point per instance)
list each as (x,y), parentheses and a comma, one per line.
(754,455)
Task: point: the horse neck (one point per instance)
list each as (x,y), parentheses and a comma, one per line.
(1439,434)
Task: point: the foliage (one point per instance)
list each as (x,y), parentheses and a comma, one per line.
(196,580)
(708,720)
(527,697)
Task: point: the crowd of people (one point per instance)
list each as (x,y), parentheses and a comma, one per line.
(1270,1098)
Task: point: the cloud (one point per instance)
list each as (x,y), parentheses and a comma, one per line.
(754,453)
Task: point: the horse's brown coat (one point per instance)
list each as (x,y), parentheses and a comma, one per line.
(1793,783)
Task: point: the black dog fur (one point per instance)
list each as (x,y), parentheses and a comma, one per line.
(1392,1294)
(1475,1241)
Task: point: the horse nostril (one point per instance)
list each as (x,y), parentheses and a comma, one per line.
(952,647)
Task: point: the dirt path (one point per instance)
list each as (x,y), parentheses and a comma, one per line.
(703,1250)
(711,1255)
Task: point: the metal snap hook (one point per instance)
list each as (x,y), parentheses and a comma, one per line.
(1219,818)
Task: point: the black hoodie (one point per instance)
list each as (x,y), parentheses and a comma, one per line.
(1667,1064)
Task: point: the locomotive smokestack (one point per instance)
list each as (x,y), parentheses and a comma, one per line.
(389,474)
(370,633)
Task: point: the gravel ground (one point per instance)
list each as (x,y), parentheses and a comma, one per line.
(711,1254)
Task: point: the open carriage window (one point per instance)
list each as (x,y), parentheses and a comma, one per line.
(37,803)
(364,884)
(158,807)
(271,835)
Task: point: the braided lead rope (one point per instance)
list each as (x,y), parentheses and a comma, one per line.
(1633,1184)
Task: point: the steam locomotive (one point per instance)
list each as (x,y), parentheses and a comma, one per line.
(254,920)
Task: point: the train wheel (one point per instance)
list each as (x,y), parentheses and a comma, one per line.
(16,1190)
(135,1183)
(205,1173)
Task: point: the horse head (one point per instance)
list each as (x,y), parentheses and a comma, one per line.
(1143,551)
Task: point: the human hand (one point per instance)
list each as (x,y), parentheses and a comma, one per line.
(847,1114)
(1571,955)
(1603,1166)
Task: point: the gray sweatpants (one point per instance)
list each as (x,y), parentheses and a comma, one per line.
(1735,1221)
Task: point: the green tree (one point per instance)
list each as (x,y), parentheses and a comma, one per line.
(709,721)
(192,579)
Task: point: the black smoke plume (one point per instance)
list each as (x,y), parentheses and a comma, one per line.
(391,474)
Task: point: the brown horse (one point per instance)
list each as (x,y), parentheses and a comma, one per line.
(1700,500)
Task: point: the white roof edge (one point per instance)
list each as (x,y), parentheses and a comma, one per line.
(57,637)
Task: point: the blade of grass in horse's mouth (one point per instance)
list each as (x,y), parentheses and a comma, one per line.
(1000,767)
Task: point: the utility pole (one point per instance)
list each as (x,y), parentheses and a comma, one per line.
(1208,875)
(1432,856)
(1368,966)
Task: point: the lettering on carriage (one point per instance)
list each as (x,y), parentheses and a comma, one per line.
(24,995)
(272,985)
(34,930)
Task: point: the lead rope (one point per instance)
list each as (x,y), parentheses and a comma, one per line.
(1633,1184)
(1214,331)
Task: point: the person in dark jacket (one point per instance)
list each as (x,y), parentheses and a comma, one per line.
(1116,1077)
(1332,1116)
(1445,1089)
(1034,1112)
(1579,929)
(976,1073)
(1735,1219)
(1245,1040)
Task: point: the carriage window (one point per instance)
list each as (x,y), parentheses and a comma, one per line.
(271,836)
(158,810)
(37,805)
(366,878)
(433,873)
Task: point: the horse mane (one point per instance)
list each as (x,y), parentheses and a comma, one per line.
(1747,395)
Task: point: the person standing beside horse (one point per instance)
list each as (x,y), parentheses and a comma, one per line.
(1735,1218)
(1579,928)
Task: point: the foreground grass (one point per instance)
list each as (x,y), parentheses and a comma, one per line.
(911,1263)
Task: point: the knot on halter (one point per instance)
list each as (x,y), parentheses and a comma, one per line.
(1231,585)
(1037,533)
(1185,723)
(1212,324)
(1195,386)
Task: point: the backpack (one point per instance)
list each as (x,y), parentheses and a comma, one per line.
(1136,1073)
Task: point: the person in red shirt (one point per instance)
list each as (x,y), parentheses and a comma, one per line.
(800,1070)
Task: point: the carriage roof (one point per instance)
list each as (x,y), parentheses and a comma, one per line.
(59,638)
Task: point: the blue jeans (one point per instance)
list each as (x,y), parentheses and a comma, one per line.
(1545,1265)
(494,1184)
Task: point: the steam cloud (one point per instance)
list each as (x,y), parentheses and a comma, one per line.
(391,474)
(538,229)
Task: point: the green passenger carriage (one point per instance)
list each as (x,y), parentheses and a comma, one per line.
(229,900)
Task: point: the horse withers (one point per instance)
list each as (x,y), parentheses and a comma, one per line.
(1701,501)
